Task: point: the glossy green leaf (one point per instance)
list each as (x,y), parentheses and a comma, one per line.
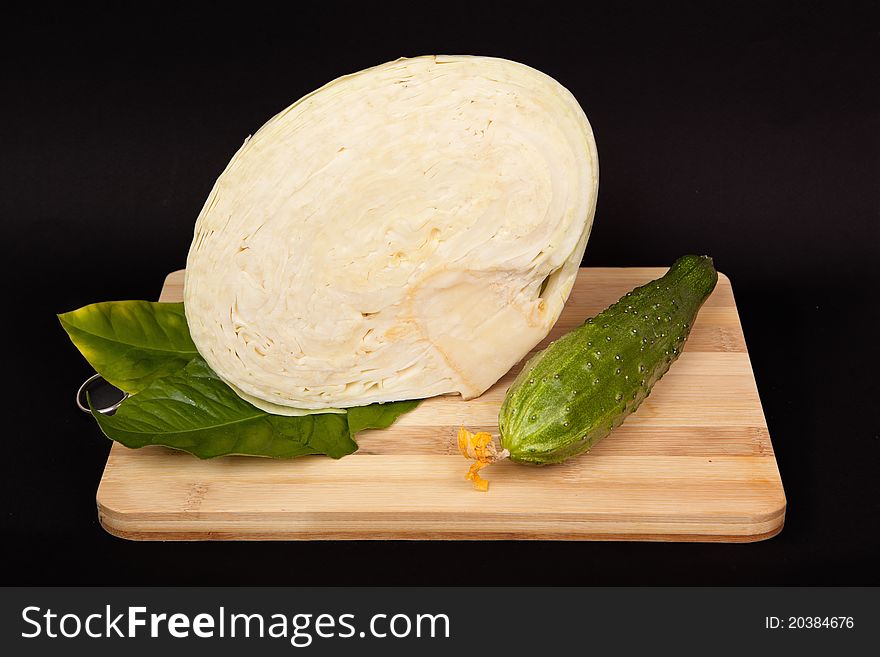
(145,348)
(377,416)
(195,411)
(131,343)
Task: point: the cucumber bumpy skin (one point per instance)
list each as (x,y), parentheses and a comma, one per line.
(576,391)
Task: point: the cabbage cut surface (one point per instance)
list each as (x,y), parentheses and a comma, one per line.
(406,231)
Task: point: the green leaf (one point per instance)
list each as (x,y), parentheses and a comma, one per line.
(378,416)
(195,411)
(131,343)
(145,348)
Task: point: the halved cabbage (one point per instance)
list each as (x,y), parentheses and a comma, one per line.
(406,231)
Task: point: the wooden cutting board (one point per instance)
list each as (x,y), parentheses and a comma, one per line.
(694,463)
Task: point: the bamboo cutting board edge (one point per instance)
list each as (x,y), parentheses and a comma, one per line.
(193,521)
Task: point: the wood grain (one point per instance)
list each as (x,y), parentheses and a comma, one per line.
(694,463)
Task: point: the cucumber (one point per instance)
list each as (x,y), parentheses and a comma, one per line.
(576,391)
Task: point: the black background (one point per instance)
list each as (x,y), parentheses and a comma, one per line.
(747,132)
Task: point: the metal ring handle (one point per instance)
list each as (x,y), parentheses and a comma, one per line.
(88,383)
